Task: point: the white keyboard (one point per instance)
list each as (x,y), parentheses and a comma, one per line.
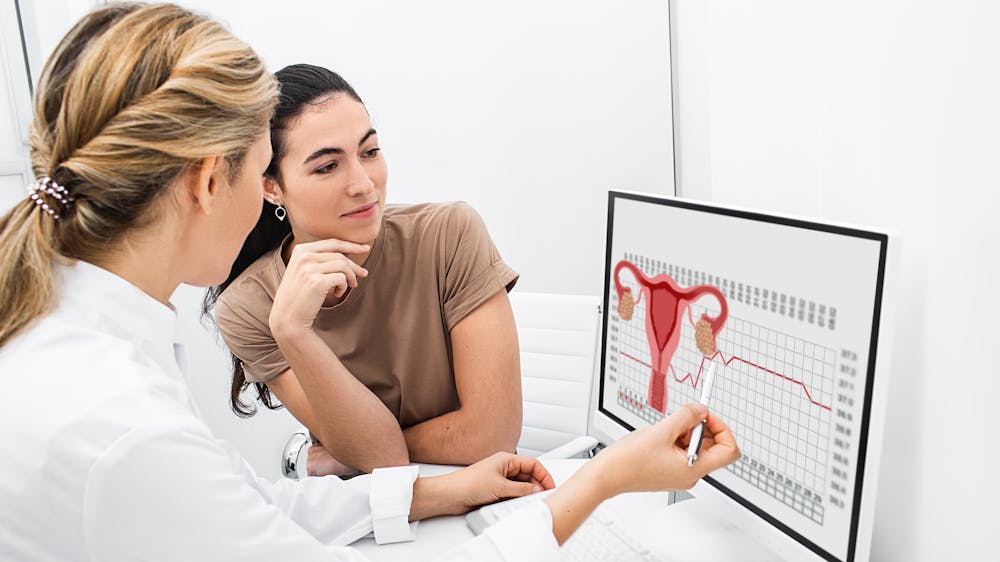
(603,536)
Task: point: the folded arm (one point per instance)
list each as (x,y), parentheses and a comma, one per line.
(486,361)
(352,423)
(359,431)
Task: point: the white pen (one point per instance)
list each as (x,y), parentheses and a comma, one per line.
(706,393)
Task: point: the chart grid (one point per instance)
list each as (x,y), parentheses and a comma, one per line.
(774,390)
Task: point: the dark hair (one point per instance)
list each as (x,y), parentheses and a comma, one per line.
(300,85)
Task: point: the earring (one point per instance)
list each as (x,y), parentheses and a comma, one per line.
(280,213)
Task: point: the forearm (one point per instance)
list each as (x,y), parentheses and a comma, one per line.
(571,503)
(487,368)
(353,424)
(432,497)
(461,437)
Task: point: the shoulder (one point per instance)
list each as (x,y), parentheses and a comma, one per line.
(61,350)
(427,218)
(95,386)
(248,299)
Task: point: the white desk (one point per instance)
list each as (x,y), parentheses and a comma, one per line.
(684,531)
(436,536)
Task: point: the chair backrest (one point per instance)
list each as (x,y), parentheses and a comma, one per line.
(557,336)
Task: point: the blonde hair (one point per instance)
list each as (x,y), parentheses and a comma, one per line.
(131,96)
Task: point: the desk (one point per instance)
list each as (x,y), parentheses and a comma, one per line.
(683,531)
(436,536)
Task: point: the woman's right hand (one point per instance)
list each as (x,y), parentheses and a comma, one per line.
(651,459)
(315,270)
(655,457)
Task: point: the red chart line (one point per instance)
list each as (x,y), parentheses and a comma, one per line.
(693,379)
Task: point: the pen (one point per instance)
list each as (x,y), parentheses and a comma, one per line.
(706,393)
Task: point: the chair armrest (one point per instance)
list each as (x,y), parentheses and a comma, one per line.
(581,446)
(291,465)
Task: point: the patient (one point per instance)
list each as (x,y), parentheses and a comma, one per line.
(420,343)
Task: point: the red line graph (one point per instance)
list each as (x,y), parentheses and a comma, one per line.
(693,379)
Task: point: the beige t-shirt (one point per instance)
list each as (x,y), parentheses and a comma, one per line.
(430,266)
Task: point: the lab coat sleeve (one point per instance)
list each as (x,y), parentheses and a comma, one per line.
(522,536)
(328,507)
(170,491)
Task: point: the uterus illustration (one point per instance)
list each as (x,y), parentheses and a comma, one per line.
(666,304)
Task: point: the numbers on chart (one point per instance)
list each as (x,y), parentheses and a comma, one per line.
(844,404)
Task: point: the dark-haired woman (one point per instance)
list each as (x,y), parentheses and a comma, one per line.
(421,346)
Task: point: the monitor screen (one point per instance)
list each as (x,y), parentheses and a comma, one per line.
(788,311)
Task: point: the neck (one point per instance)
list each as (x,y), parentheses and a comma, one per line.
(156,276)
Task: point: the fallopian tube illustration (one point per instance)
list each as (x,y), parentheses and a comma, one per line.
(666,303)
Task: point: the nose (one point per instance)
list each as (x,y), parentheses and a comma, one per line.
(359,182)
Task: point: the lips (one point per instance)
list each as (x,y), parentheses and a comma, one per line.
(363,211)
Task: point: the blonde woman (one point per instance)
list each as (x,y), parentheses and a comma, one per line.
(149,142)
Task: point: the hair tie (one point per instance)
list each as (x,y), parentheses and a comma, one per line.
(47,186)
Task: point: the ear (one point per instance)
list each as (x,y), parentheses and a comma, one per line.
(272,191)
(204,182)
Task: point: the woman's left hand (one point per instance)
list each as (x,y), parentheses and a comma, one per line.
(498,477)
(321,463)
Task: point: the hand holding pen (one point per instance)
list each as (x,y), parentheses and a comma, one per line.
(698,432)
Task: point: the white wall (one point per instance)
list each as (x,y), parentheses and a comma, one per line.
(884,113)
(529,110)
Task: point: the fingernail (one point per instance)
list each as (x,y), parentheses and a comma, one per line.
(535,489)
(700,408)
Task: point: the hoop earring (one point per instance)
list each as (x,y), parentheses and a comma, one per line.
(280,213)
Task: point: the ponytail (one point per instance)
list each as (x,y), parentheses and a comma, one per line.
(130,98)
(27,284)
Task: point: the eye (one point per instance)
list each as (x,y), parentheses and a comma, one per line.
(327,168)
(371,153)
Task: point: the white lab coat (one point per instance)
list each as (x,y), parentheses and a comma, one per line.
(103,456)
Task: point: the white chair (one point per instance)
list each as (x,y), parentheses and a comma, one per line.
(558,338)
(557,335)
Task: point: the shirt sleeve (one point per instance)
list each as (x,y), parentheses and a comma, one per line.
(170,491)
(522,536)
(474,270)
(249,338)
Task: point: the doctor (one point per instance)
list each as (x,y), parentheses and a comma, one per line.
(149,141)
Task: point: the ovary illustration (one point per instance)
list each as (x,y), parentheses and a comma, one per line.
(666,304)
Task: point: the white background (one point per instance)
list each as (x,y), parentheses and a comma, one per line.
(888,113)
(528,110)
(878,111)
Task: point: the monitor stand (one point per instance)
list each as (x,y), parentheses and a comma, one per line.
(691,529)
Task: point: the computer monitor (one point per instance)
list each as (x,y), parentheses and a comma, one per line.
(792,313)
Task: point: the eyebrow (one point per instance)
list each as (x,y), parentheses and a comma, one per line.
(335,150)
